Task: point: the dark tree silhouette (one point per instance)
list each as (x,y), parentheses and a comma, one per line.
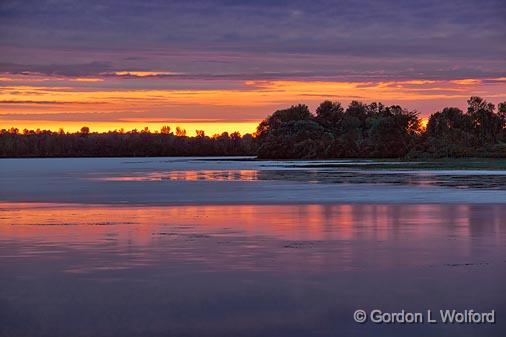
(450,133)
(84,130)
(359,131)
(330,115)
(487,125)
(119,143)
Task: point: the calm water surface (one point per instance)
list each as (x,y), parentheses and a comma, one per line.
(269,268)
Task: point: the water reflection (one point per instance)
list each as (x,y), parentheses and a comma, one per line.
(187,175)
(256,237)
(250,270)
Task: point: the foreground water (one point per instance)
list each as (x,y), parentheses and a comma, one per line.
(192,247)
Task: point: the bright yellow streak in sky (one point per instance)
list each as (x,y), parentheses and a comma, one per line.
(210,128)
(142,73)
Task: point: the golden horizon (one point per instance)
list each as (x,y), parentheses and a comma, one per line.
(209,128)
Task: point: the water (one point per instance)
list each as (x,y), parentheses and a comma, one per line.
(193,247)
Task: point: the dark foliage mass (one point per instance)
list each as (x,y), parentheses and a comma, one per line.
(358,131)
(122,144)
(378,131)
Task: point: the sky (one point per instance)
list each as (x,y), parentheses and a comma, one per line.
(224,65)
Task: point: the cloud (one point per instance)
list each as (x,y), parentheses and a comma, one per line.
(467,81)
(32,102)
(254,99)
(62,69)
(76,116)
(22,102)
(355,28)
(117,117)
(135,74)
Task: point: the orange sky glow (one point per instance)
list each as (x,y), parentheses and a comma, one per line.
(36,101)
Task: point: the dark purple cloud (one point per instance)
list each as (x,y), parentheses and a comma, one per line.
(82,69)
(256,39)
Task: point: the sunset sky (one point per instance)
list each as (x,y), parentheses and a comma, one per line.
(224,65)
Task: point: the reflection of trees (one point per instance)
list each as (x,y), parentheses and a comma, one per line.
(484,220)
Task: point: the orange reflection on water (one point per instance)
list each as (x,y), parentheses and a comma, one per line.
(187,175)
(252,237)
(314,222)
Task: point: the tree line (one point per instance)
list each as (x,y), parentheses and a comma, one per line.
(378,131)
(44,143)
(358,131)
